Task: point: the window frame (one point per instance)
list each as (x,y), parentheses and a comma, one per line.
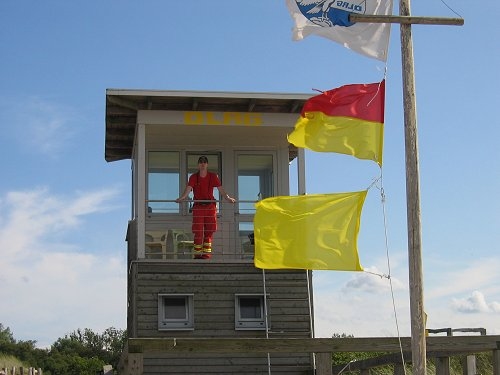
(255,324)
(271,187)
(163,170)
(184,324)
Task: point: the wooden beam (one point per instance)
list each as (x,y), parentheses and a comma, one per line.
(251,105)
(406,20)
(324,363)
(443,345)
(443,366)
(496,361)
(412,171)
(122,102)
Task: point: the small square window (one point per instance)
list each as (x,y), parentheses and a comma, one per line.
(175,312)
(249,312)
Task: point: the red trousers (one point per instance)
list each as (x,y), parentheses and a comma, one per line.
(204,223)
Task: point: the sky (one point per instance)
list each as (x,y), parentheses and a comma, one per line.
(64,209)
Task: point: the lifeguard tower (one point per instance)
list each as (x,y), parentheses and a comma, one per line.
(171,294)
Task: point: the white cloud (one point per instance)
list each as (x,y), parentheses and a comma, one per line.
(372,281)
(480,274)
(464,294)
(29,218)
(495,307)
(50,285)
(475,303)
(360,304)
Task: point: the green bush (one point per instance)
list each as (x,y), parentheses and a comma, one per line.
(82,352)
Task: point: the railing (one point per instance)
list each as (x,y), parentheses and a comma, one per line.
(437,347)
(172,207)
(168,233)
(20,371)
(441,359)
(107,370)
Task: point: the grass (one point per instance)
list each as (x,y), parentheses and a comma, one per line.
(484,366)
(9,361)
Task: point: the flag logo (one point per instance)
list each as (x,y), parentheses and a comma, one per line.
(330,19)
(329,13)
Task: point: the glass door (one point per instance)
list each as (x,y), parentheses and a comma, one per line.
(256,181)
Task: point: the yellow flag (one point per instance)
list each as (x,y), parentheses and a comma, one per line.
(315,232)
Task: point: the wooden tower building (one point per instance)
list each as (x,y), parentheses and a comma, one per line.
(170,293)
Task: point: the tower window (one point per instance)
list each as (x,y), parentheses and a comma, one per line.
(175,312)
(249,312)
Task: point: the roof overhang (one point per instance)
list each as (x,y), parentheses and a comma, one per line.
(122,107)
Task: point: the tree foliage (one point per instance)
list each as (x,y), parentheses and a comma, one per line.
(6,336)
(83,351)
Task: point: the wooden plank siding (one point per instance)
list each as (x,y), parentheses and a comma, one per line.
(241,364)
(214,286)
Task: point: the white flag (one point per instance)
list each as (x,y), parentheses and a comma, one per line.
(330,19)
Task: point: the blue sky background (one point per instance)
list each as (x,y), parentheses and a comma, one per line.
(64,210)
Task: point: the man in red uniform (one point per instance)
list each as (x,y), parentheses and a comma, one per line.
(204,225)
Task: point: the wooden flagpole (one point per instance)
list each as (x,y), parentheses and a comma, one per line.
(417,314)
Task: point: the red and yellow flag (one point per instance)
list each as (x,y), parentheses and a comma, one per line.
(347,120)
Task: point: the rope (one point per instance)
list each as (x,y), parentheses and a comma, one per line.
(347,365)
(311,319)
(450,8)
(265,318)
(388,276)
(384,213)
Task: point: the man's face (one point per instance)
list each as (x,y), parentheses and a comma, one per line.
(202,165)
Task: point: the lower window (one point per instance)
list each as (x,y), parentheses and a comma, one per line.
(175,312)
(249,312)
